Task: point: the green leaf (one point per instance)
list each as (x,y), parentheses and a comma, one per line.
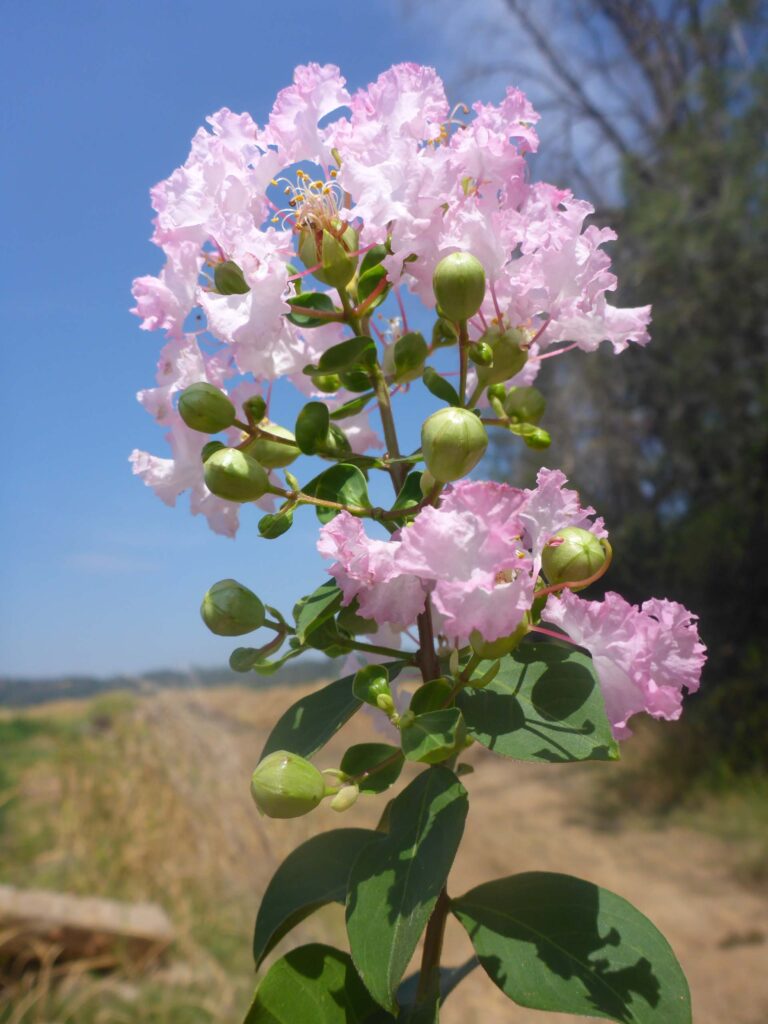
(545,704)
(410,493)
(309,723)
(394,884)
(352,407)
(311,876)
(344,483)
(310,300)
(254,659)
(368,282)
(356,380)
(372,258)
(316,984)
(552,942)
(275,524)
(315,608)
(348,355)
(312,426)
(440,387)
(433,736)
(364,760)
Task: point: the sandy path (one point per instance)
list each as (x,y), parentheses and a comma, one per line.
(678,878)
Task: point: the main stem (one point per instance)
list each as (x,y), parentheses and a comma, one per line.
(429,975)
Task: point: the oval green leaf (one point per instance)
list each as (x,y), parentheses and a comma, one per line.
(313,875)
(544,704)
(316,984)
(394,884)
(440,387)
(313,609)
(310,300)
(344,483)
(312,426)
(553,942)
(433,736)
(376,766)
(348,355)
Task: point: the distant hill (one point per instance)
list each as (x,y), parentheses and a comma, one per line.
(19,691)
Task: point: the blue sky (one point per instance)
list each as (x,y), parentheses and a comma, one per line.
(100,102)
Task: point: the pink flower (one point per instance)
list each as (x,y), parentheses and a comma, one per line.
(644,657)
(476,555)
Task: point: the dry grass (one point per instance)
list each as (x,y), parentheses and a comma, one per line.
(148,799)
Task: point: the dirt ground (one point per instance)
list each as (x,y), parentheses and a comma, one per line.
(190,755)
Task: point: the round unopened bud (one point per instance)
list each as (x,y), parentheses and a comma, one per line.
(491,649)
(328,383)
(235,476)
(481,354)
(332,253)
(453,442)
(230,609)
(537,438)
(370,683)
(525,404)
(572,555)
(459,285)
(509,355)
(205,408)
(285,785)
(273,454)
(228,279)
(255,408)
(345,798)
(208,449)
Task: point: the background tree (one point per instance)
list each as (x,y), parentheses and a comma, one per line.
(661,109)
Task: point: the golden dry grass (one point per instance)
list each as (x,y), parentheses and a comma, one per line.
(147,798)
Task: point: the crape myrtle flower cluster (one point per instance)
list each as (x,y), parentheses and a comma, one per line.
(389,191)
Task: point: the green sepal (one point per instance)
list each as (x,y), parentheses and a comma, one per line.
(440,387)
(434,736)
(310,300)
(314,983)
(310,877)
(553,942)
(228,279)
(545,704)
(343,483)
(362,761)
(403,875)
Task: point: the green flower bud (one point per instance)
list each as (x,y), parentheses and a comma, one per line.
(453,442)
(328,383)
(331,252)
(272,454)
(229,280)
(255,408)
(285,785)
(345,798)
(491,649)
(459,285)
(509,355)
(274,525)
(481,354)
(572,555)
(205,408)
(497,392)
(370,683)
(525,404)
(208,449)
(537,438)
(230,609)
(235,476)
(444,333)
